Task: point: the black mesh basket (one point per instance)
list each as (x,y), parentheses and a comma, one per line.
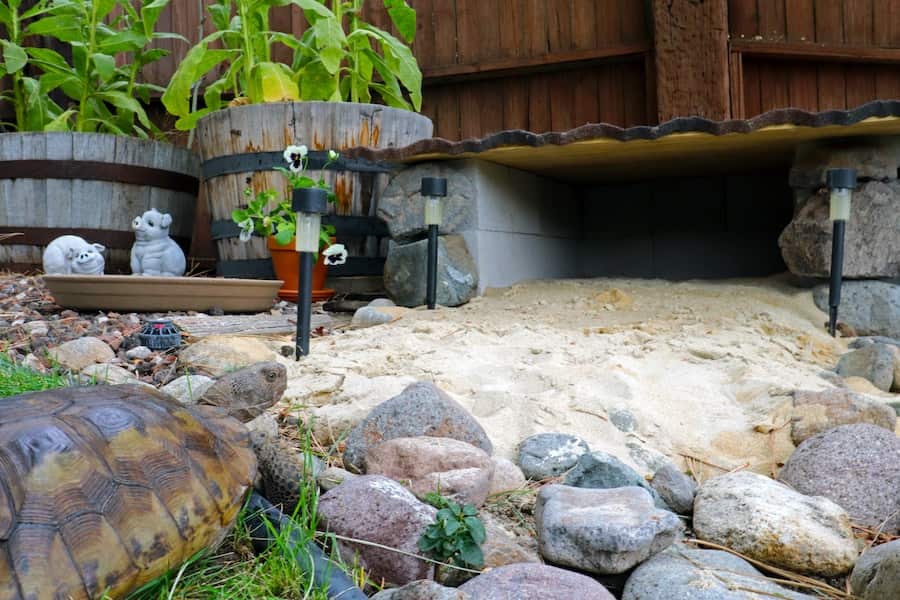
(160,334)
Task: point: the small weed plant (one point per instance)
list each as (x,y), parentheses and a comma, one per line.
(456,535)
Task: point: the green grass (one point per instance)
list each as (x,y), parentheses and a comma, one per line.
(15,379)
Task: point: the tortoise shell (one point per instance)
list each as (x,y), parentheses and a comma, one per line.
(103,489)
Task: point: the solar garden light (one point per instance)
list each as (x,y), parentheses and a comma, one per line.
(841,183)
(309,204)
(433,189)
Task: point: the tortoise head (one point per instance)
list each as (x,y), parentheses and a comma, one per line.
(247,393)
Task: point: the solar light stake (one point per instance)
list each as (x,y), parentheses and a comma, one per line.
(841,183)
(309,204)
(433,189)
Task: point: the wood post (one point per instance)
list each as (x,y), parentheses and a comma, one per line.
(692,71)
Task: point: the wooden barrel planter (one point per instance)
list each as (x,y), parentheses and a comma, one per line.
(240,146)
(92,185)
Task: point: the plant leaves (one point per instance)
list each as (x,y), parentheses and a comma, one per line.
(476,529)
(199,61)
(316,8)
(451,527)
(332,58)
(124,102)
(271,82)
(61,123)
(62,27)
(124,41)
(403,17)
(105,65)
(316,83)
(14,56)
(471,555)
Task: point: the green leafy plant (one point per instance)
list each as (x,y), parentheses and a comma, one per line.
(456,535)
(110,43)
(267,215)
(340,57)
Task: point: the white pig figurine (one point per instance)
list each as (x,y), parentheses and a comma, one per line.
(72,255)
(154,252)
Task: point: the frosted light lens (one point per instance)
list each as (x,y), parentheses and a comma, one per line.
(434,211)
(840,204)
(308,227)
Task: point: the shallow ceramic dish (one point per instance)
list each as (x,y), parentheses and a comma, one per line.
(127,293)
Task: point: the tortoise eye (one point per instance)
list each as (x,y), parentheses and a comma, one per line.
(271,375)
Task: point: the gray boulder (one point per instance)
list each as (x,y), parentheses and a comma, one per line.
(872,246)
(817,412)
(403,208)
(690,574)
(421,590)
(79,353)
(599,470)
(855,466)
(550,454)
(376,509)
(863,341)
(876,575)
(872,159)
(188,389)
(533,582)
(874,362)
(420,409)
(676,489)
(770,522)
(601,531)
(405,272)
(870,307)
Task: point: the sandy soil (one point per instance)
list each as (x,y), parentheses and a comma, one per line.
(703,368)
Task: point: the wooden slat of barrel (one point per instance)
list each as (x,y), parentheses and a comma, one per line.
(318,125)
(67,204)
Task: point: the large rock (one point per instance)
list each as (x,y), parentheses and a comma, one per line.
(421,590)
(403,208)
(78,354)
(405,272)
(876,575)
(217,355)
(377,509)
(772,523)
(601,531)
(502,548)
(456,469)
(507,476)
(187,389)
(871,160)
(109,374)
(370,316)
(870,307)
(550,454)
(600,470)
(675,488)
(533,582)
(871,247)
(691,574)
(420,409)
(855,466)
(874,362)
(817,412)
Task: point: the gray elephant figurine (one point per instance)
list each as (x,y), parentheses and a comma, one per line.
(155,253)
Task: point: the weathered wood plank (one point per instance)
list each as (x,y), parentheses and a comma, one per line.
(832,87)
(692,71)
(858,22)
(743,18)
(829,21)
(772,24)
(262,325)
(803,86)
(800,18)
(444,37)
(861,84)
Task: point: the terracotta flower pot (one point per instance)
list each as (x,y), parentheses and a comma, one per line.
(286,262)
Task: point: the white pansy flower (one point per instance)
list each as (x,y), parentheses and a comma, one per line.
(246,230)
(332,155)
(294,156)
(335,254)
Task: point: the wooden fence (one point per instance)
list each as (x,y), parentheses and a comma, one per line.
(546,65)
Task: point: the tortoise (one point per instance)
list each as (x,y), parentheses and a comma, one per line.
(105,488)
